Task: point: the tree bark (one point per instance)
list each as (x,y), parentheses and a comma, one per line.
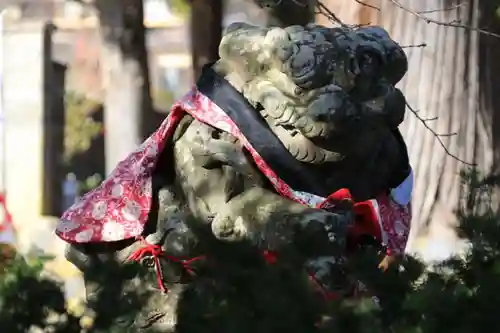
(206,26)
(206,32)
(452,79)
(128,107)
(291,13)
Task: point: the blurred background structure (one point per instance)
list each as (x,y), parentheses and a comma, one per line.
(76,96)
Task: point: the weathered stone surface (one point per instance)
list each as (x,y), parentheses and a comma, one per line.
(328,95)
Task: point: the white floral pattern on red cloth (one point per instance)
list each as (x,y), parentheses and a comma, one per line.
(395,222)
(118,208)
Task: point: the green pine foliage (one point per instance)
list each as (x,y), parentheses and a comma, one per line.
(80,128)
(454,296)
(29,301)
(180,7)
(459,295)
(32,301)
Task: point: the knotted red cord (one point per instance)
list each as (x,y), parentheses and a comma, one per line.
(157,252)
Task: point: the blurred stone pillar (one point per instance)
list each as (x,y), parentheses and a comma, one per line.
(24,48)
(53,134)
(33,91)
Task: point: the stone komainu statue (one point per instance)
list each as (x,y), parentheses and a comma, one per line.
(288,144)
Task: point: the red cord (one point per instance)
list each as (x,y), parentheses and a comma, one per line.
(156,252)
(271,258)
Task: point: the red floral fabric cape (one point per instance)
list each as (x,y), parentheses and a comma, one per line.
(118,208)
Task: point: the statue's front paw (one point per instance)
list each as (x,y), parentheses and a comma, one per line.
(230,229)
(337,226)
(323,233)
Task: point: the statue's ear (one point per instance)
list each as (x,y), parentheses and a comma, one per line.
(241,41)
(395,62)
(237,26)
(253,48)
(395,107)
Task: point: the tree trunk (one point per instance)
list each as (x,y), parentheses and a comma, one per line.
(124,61)
(289,12)
(451,78)
(206,32)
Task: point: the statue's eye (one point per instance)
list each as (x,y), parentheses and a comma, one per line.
(369,63)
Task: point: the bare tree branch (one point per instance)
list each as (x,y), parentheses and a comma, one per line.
(367,5)
(413,45)
(441,23)
(324,10)
(455,23)
(438,136)
(441,9)
(321,8)
(299,3)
